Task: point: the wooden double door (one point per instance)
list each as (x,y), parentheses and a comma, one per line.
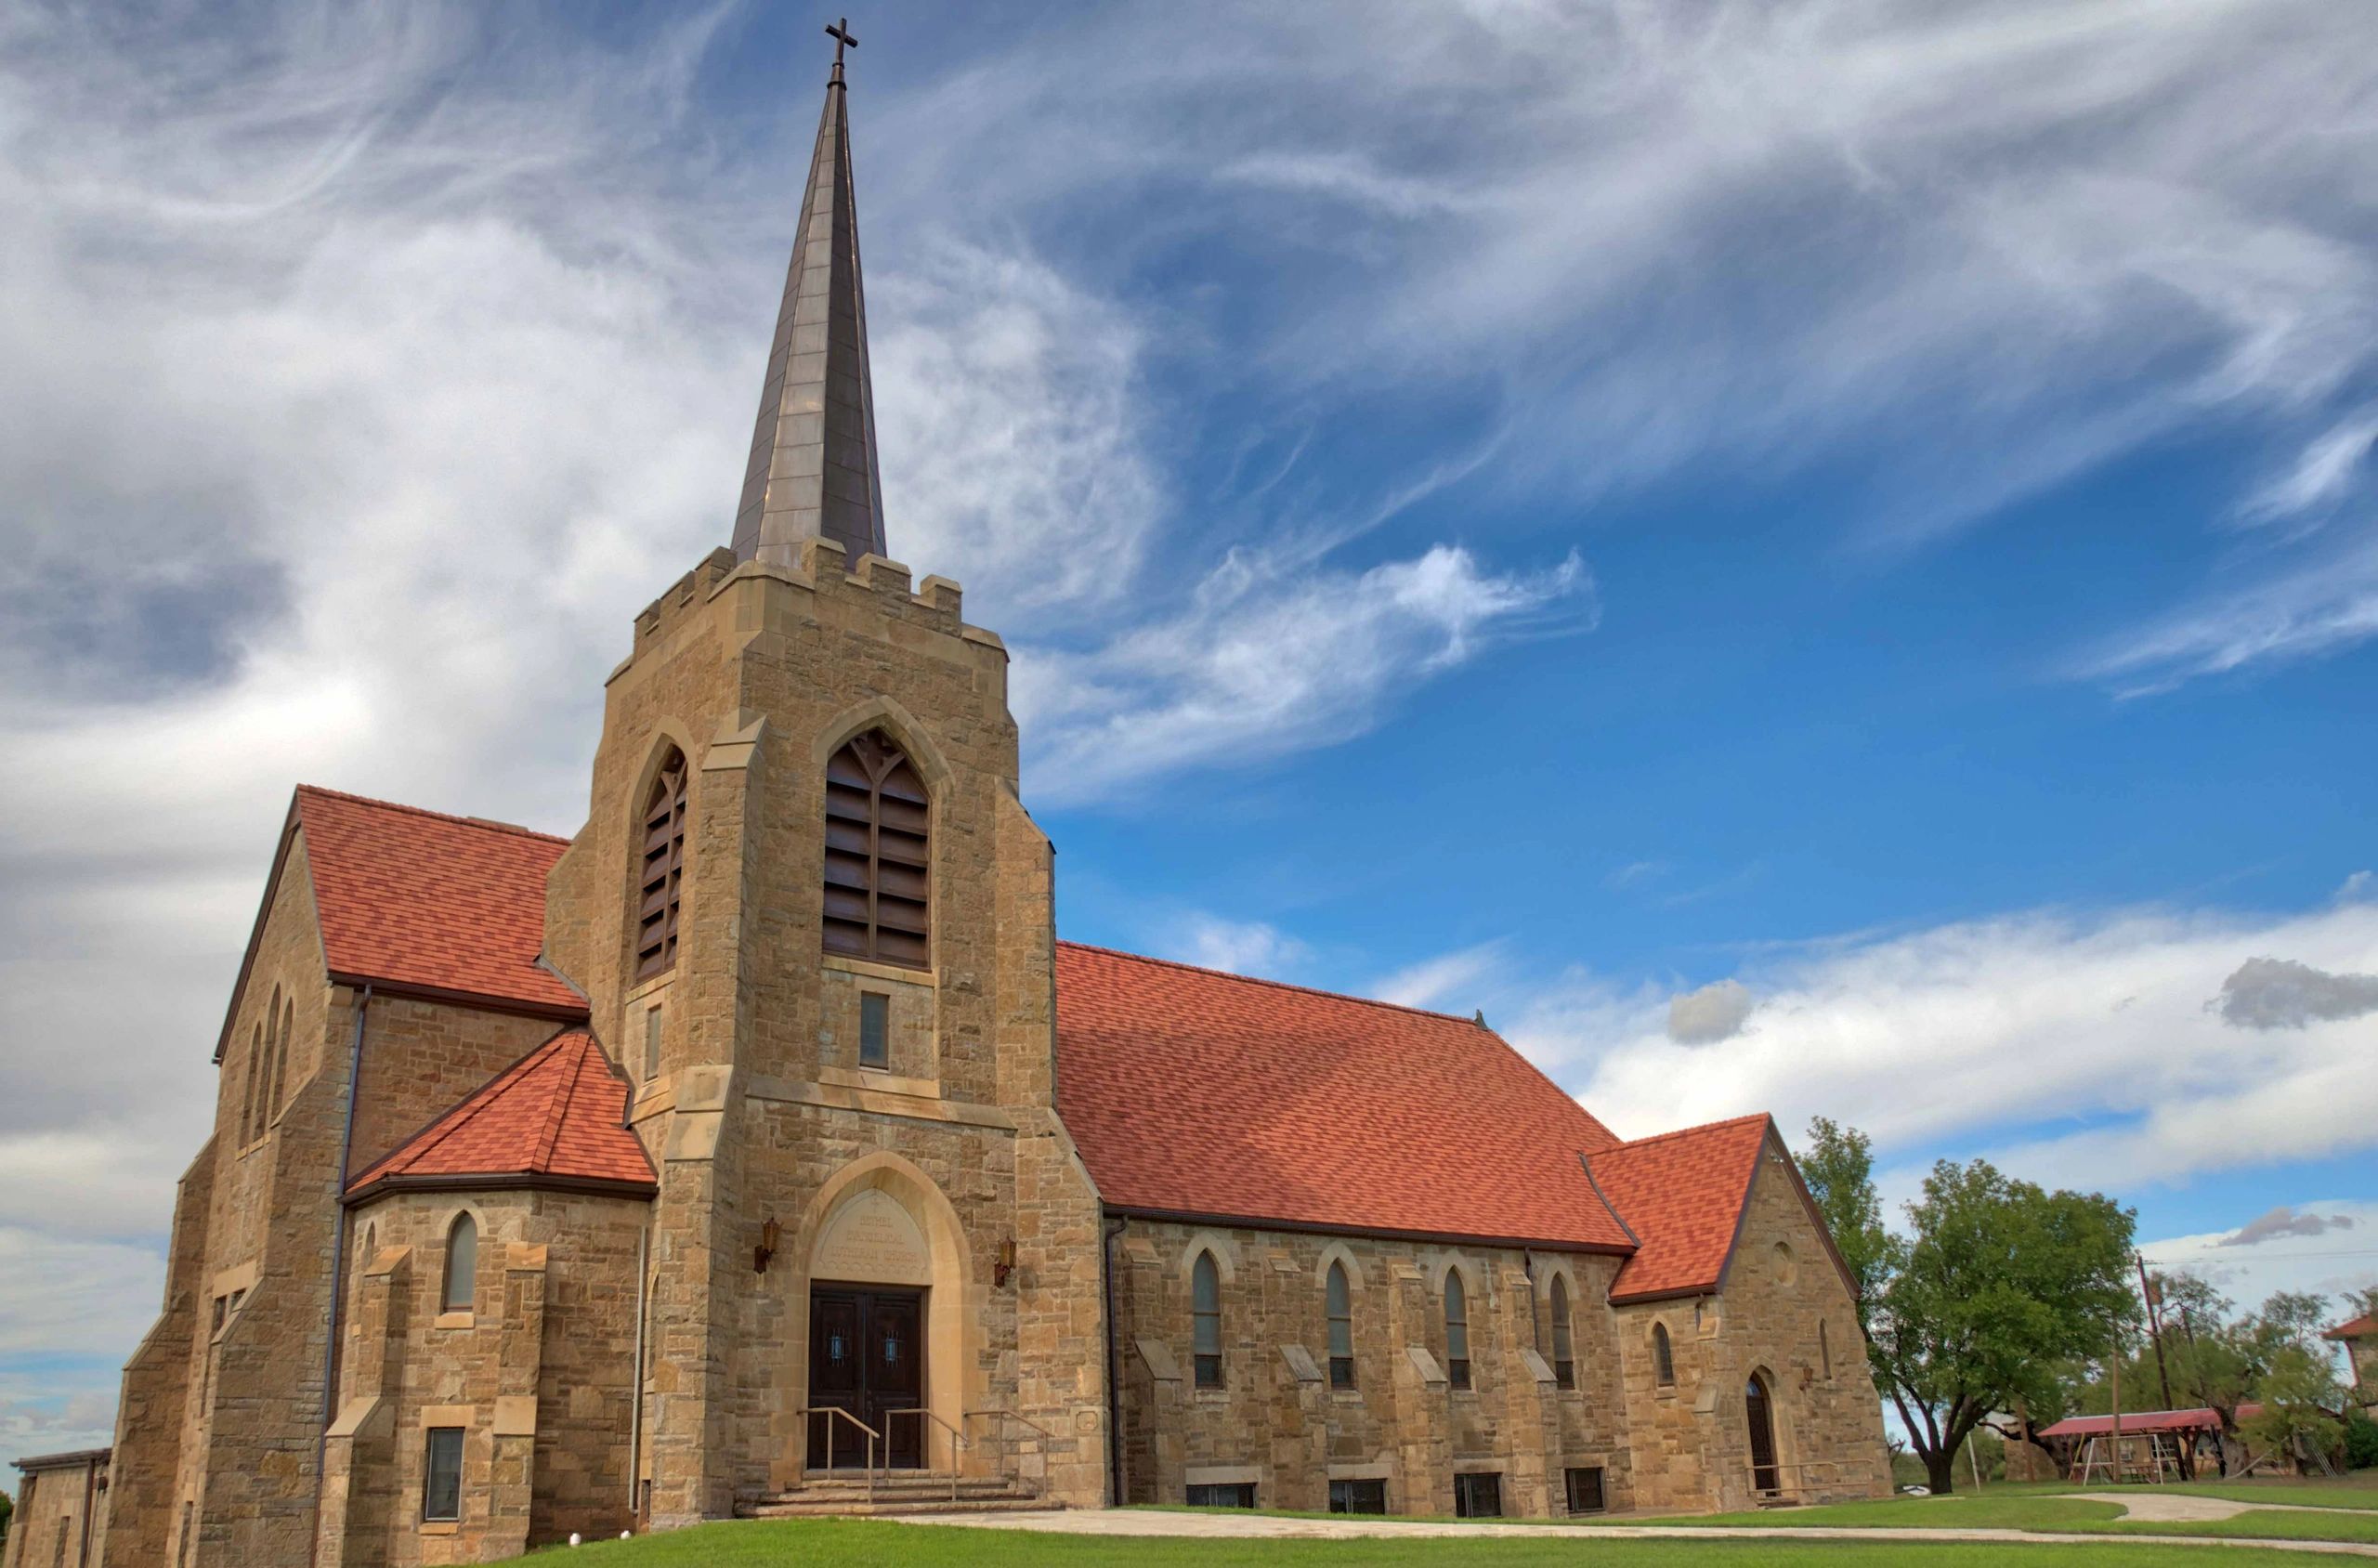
(867,1356)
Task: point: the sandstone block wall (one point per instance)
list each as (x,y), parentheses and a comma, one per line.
(1692,1440)
(1278,1422)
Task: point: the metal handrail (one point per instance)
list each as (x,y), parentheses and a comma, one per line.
(1045,1435)
(956,1441)
(1797,1466)
(873,1437)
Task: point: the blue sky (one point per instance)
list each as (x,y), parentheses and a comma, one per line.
(1818,557)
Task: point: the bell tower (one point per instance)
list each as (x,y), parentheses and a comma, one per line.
(814,922)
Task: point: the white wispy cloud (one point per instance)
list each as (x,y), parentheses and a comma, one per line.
(2329,1259)
(1256,947)
(2076,1049)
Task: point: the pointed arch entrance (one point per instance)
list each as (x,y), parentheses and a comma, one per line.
(886,1317)
(1758,1407)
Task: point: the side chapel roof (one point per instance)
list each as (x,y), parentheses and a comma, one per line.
(556,1116)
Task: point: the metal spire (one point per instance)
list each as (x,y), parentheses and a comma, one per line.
(813,471)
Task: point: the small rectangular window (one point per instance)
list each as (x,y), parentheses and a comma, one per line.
(1478,1496)
(1565,1374)
(651,1043)
(1585,1490)
(1231,1495)
(1358,1496)
(1341,1371)
(874,1030)
(442,1487)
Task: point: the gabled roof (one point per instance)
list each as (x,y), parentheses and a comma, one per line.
(1682,1194)
(553,1118)
(2362,1327)
(2202,1418)
(422,901)
(1198,1094)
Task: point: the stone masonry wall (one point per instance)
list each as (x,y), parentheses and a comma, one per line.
(1693,1440)
(539,1374)
(1278,1422)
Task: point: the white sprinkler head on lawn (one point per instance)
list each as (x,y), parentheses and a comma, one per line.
(573,1537)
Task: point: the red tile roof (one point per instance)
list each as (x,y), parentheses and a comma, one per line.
(555,1113)
(2362,1327)
(420,900)
(1682,1194)
(2202,1418)
(1191,1092)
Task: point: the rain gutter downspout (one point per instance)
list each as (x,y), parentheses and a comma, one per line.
(1114,1224)
(338,1276)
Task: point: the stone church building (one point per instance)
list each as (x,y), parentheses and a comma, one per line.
(760,1147)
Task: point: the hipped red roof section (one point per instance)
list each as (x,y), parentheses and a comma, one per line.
(1191,1091)
(419,900)
(556,1112)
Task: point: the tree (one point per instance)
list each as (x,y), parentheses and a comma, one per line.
(1840,1169)
(6,1508)
(2297,1394)
(1997,1283)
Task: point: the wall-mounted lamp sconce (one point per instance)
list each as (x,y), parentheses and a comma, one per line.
(770,1234)
(1006,1264)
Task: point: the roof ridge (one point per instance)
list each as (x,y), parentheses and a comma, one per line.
(1689,1131)
(558,1109)
(490,824)
(1278,984)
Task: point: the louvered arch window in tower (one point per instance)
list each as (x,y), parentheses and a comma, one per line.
(662,869)
(878,865)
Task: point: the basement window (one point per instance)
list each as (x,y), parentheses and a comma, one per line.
(1223,1494)
(1585,1490)
(1358,1496)
(1478,1496)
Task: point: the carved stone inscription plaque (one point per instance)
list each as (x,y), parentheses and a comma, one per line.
(871,1241)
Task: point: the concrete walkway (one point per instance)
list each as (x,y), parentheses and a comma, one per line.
(1223,1524)
(2176,1507)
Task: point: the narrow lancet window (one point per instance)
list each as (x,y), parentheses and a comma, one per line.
(662,869)
(1663,1356)
(1457,1331)
(1206,1310)
(877,866)
(1564,1362)
(1340,1305)
(461,1264)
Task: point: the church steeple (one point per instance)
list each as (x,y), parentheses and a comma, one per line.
(813,471)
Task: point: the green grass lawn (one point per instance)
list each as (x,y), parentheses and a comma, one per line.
(2357,1490)
(865,1544)
(2037,1507)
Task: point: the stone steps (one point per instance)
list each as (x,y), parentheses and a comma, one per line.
(903,1492)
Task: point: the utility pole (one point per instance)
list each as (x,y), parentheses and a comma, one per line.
(2117,1393)
(2154,1300)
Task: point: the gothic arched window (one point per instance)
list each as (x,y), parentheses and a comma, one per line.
(1340,1302)
(1824,1349)
(877,868)
(1457,1329)
(256,1070)
(661,869)
(1663,1357)
(281,1050)
(462,1265)
(1206,1312)
(1564,1361)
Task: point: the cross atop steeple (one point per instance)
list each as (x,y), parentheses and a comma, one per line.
(812,472)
